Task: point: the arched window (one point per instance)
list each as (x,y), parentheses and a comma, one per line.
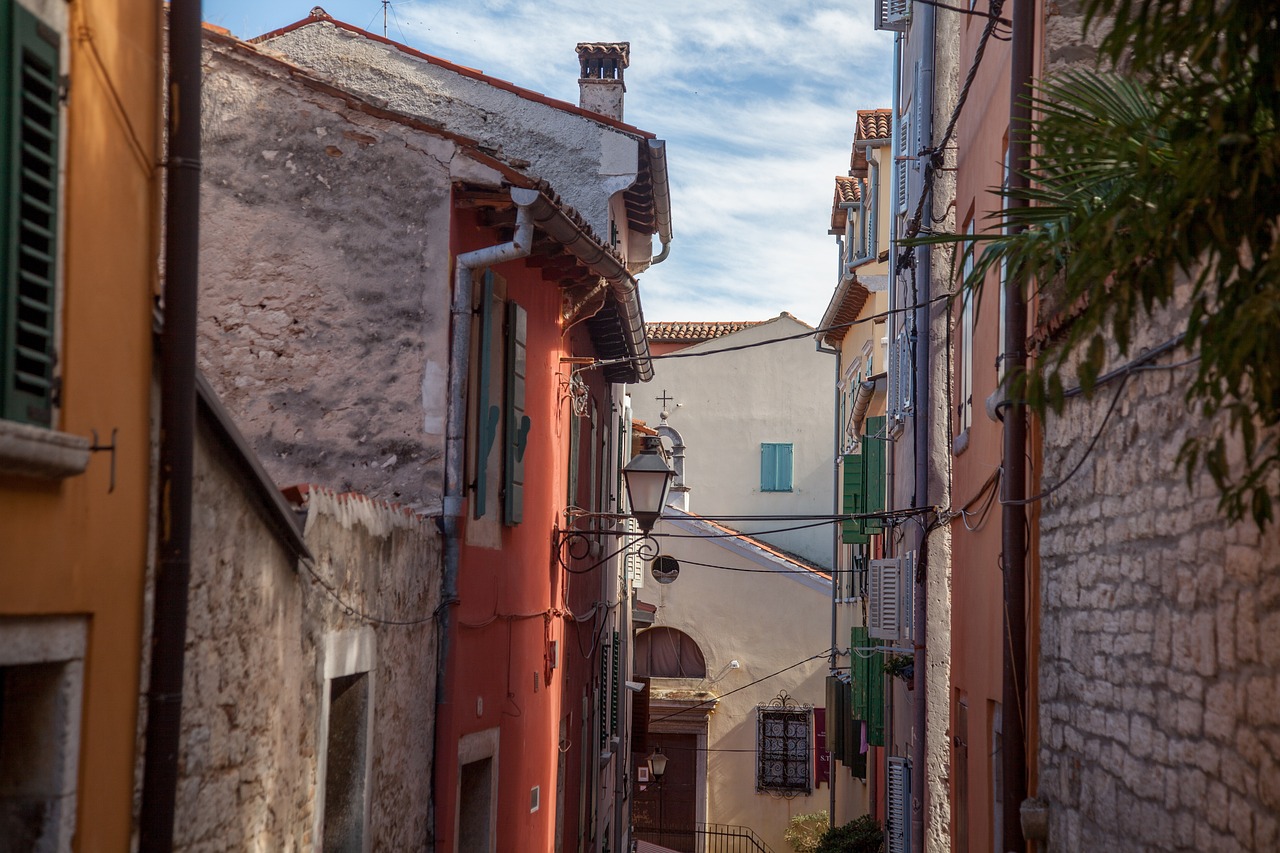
(668,653)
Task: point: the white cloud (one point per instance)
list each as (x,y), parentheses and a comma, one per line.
(755,99)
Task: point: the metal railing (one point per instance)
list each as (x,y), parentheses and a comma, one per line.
(704,838)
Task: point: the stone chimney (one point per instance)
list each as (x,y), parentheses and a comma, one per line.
(600,84)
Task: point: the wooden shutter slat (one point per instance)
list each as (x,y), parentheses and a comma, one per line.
(518,423)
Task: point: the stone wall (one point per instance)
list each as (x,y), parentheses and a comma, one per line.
(253,701)
(325,280)
(1159,697)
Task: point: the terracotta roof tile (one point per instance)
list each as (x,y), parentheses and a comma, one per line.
(848,191)
(874,124)
(692,332)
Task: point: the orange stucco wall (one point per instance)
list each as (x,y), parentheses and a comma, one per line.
(70,547)
(497,674)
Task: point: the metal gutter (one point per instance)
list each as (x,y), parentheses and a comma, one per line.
(177,431)
(657,149)
(552,221)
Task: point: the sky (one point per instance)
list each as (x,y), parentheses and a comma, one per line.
(756,100)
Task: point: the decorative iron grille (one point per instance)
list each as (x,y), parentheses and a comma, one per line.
(784,746)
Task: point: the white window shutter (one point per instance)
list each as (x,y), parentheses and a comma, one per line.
(904,152)
(893,15)
(897,830)
(908,586)
(884,588)
(632,561)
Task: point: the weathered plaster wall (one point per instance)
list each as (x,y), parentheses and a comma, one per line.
(726,405)
(585,160)
(325,271)
(1160,705)
(256,633)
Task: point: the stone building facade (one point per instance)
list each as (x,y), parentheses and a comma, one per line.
(308,706)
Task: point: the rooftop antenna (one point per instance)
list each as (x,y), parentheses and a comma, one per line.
(385,4)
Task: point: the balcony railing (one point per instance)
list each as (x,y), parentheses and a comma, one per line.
(704,838)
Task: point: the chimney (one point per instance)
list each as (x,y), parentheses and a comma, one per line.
(600,84)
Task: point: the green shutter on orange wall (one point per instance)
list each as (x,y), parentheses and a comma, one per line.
(518,423)
(30,88)
(487,414)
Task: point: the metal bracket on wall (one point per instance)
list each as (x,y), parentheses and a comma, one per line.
(97,447)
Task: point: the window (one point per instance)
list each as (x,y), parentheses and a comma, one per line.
(29,127)
(783,747)
(346,733)
(775,467)
(500,419)
(668,653)
(41,693)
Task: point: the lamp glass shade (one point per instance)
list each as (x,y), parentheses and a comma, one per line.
(648,478)
(657,763)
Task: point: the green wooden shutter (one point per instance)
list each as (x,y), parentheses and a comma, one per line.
(873,451)
(518,423)
(29,119)
(487,414)
(835,719)
(868,686)
(852,496)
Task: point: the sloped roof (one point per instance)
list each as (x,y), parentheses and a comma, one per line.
(694,332)
(848,191)
(874,124)
(845,306)
(761,548)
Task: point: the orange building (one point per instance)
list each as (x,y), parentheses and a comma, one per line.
(78,177)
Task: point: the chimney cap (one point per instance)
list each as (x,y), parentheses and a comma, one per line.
(620,50)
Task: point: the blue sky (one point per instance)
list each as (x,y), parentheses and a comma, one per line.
(756,101)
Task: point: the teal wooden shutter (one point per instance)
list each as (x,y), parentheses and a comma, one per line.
(518,423)
(487,414)
(29,119)
(775,467)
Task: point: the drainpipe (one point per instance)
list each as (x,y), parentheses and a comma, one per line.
(177,432)
(920,425)
(661,197)
(1013,512)
(465,266)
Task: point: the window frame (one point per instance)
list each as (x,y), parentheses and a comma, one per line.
(796,751)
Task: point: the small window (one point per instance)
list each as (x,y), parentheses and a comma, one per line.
(775,467)
(668,653)
(783,749)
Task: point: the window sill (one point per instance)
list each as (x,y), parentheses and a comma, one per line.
(30,451)
(960,443)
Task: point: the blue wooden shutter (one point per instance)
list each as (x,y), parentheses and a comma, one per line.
(487,414)
(518,423)
(775,467)
(29,92)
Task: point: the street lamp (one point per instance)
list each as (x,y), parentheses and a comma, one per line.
(648,478)
(658,766)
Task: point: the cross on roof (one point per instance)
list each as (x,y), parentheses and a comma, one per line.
(664,399)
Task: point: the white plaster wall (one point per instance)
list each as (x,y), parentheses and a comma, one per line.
(586,161)
(730,404)
(767,622)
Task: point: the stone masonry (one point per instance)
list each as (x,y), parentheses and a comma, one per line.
(1159,711)
(249,775)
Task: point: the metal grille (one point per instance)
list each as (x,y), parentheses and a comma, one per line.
(784,746)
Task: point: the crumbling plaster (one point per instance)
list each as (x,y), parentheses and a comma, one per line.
(325,279)
(586,161)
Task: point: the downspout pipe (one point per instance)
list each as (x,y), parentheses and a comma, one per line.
(1013,512)
(657,149)
(177,432)
(922,426)
(465,266)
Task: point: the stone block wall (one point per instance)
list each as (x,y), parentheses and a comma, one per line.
(1160,646)
(253,701)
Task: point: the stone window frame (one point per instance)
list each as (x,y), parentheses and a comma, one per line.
(35,640)
(474,747)
(346,653)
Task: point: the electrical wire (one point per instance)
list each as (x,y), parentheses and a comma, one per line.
(355,611)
